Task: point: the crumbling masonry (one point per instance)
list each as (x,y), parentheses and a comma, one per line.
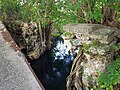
(97,51)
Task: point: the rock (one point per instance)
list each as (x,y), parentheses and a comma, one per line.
(82,36)
(102,49)
(81,28)
(99,52)
(102,35)
(1,25)
(33,41)
(93,66)
(29,37)
(67,43)
(75,42)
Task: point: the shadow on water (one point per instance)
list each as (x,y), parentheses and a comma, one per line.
(54,66)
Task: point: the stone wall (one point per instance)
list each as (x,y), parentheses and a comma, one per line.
(34,43)
(28,37)
(95,53)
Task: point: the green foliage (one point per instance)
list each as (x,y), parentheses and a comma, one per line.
(117,50)
(59,12)
(88,11)
(55,34)
(67,34)
(92,44)
(111,77)
(9,8)
(117,47)
(85,47)
(95,43)
(43,12)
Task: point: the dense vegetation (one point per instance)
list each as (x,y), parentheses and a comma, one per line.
(60,12)
(51,15)
(111,76)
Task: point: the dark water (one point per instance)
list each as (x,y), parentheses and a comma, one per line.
(54,66)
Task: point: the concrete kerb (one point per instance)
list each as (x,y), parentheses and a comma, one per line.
(8,38)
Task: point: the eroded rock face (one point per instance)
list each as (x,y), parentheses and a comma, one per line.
(28,37)
(33,41)
(95,56)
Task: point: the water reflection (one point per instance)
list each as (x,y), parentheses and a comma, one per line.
(54,66)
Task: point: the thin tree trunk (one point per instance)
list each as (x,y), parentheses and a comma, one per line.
(48,31)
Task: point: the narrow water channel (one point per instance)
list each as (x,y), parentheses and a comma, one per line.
(54,66)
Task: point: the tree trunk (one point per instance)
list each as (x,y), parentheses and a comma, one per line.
(48,35)
(109,18)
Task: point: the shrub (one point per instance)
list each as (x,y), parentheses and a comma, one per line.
(111,77)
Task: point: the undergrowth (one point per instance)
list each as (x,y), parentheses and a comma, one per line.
(111,77)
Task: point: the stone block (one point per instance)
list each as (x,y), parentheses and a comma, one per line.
(77,42)
(82,36)
(81,28)
(93,66)
(102,35)
(102,49)
(1,25)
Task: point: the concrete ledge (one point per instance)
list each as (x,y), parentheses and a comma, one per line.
(15,71)
(81,28)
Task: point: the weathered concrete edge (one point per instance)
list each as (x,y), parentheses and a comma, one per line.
(90,26)
(12,43)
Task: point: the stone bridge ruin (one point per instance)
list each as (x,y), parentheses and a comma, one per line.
(95,52)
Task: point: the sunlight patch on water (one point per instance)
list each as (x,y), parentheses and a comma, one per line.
(63,52)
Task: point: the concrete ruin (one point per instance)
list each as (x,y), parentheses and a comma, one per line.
(97,51)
